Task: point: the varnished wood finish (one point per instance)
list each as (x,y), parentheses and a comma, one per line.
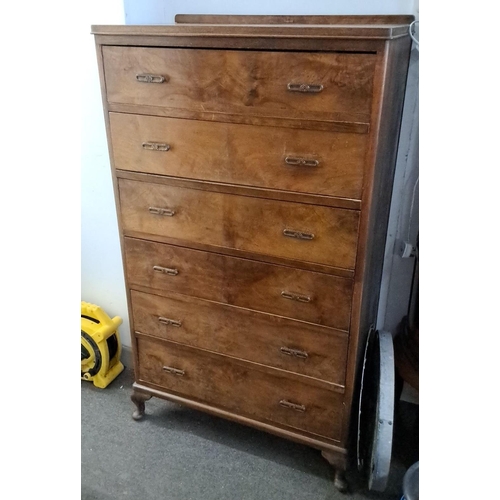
(262,338)
(232,33)
(264,369)
(314,441)
(242,222)
(242,154)
(272,194)
(238,386)
(387,111)
(339,462)
(342,125)
(232,19)
(226,96)
(240,282)
(282,43)
(248,83)
(139,399)
(306,266)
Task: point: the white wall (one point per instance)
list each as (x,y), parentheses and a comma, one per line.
(102,274)
(161,12)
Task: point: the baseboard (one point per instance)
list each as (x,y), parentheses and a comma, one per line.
(127,358)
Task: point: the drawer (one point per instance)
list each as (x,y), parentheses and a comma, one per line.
(255,83)
(314,351)
(271,157)
(239,387)
(294,293)
(297,231)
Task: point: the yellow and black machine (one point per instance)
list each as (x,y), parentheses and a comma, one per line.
(100,345)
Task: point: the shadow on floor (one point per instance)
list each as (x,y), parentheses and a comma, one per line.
(224,443)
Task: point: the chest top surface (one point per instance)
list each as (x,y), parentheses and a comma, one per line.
(296,27)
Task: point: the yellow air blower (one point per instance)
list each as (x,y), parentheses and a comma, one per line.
(101,346)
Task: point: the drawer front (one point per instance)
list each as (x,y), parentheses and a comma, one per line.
(314,297)
(271,157)
(255,83)
(239,387)
(295,346)
(308,233)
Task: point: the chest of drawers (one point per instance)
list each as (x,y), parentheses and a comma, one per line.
(252,161)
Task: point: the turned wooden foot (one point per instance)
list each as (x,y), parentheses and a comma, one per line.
(139,399)
(339,480)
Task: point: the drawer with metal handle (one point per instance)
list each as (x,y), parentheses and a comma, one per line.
(303,161)
(296,231)
(314,351)
(313,297)
(292,85)
(248,389)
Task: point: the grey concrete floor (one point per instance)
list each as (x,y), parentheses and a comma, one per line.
(176,453)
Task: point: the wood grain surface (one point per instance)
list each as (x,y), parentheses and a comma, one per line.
(239,386)
(242,222)
(231,19)
(240,282)
(242,154)
(294,346)
(223,195)
(190,35)
(248,83)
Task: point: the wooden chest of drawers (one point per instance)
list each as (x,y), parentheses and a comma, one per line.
(253,160)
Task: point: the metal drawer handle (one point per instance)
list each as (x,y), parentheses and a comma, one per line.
(303,162)
(294,352)
(298,234)
(304,87)
(166,270)
(155,146)
(161,211)
(295,296)
(173,371)
(148,78)
(292,406)
(169,322)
